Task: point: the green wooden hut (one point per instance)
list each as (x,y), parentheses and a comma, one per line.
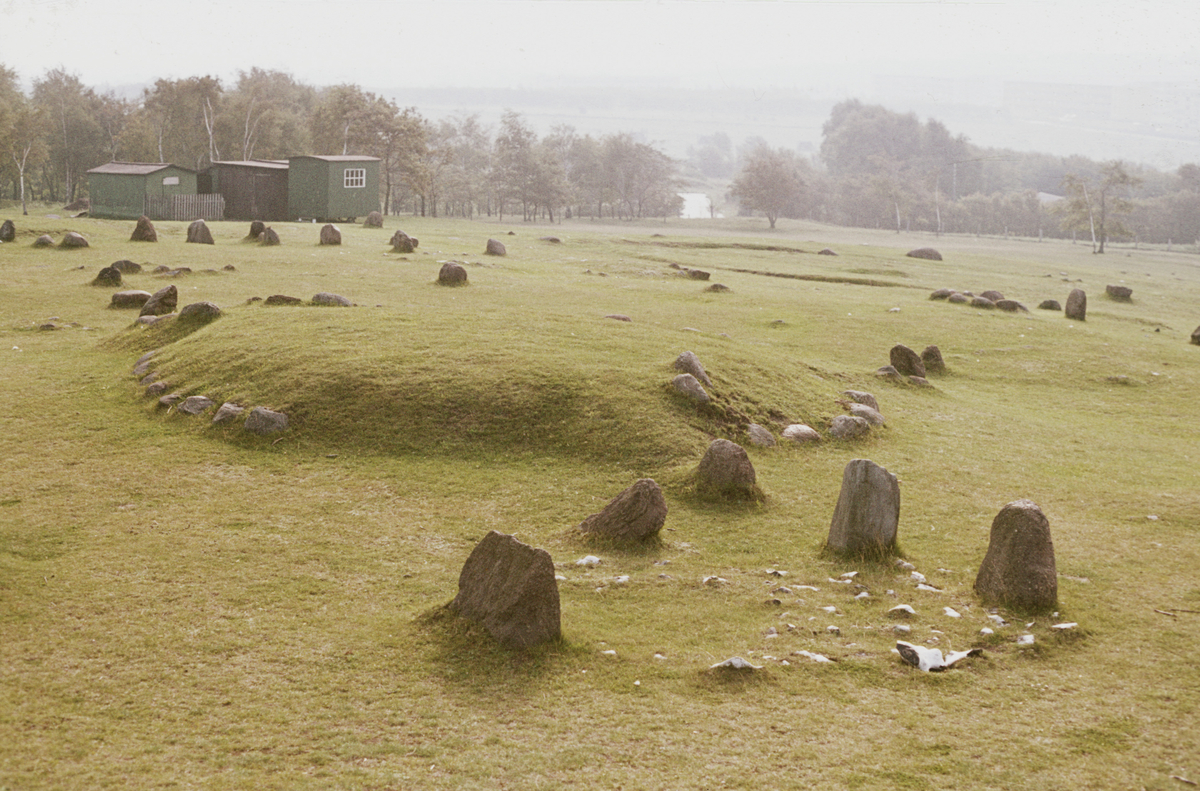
(328,188)
(127,190)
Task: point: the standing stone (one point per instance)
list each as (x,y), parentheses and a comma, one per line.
(726,470)
(73,241)
(108,277)
(129,299)
(198,233)
(1076,309)
(689,363)
(1196,336)
(495,247)
(403,243)
(906,361)
(452,274)
(1119,293)
(1018,570)
(161,302)
(330,234)
(263,421)
(849,427)
(927,253)
(331,300)
(760,436)
(8,231)
(144,231)
(256,229)
(510,588)
(867,515)
(931,358)
(269,238)
(691,387)
(374,220)
(634,515)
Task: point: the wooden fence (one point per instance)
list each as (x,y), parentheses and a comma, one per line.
(185,207)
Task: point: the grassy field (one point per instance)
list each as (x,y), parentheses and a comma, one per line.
(183,606)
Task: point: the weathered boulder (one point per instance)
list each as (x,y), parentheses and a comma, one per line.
(688,385)
(268,238)
(331,300)
(869,414)
(859,397)
(906,361)
(1049,304)
(931,358)
(265,421)
(1076,309)
(867,515)
(927,253)
(994,296)
(227,413)
(697,274)
(801,434)
(726,470)
(73,241)
(199,313)
(144,231)
(495,247)
(403,243)
(958,299)
(634,515)
(1018,570)
(45,240)
(510,588)
(161,302)
(452,274)
(129,299)
(194,405)
(256,230)
(919,381)
(890,373)
(330,234)
(760,436)
(982,302)
(374,220)
(8,231)
(126,267)
(1119,293)
(942,293)
(1011,306)
(198,233)
(1196,336)
(282,299)
(826,251)
(108,277)
(689,363)
(849,427)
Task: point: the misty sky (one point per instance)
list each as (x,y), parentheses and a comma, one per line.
(821,46)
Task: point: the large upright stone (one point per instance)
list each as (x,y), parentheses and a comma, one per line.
(634,515)
(906,361)
(256,230)
(8,231)
(374,220)
(268,238)
(867,515)
(689,363)
(931,358)
(161,302)
(144,231)
(690,387)
(330,235)
(1196,336)
(198,233)
(726,470)
(403,243)
(1076,308)
(1018,570)
(510,588)
(495,247)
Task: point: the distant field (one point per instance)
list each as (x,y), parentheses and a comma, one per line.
(187,606)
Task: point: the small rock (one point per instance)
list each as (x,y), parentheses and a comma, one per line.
(718,287)
(931,358)
(374,220)
(161,302)
(950,612)
(1049,304)
(1011,306)
(726,470)
(1025,639)
(826,251)
(199,313)
(590,561)
(942,293)
(901,611)
(495,247)
(509,587)
(958,299)
(264,421)
(858,396)
(994,296)
(849,427)
(1119,293)
(801,434)
(735,663)
(927,253)
(194,405)
(282,299)
(635,515)
(867,514)
(689,363)
(269,238)
(868,414)
(257,227)
(452,274)
(331,300)
(45,240)
(108,277)
(1062,627)
(8,231)
(330,235)
(690,387)
(760,436)
(890,373)
(73,241)
(982,302)
(403,243)
(618,317)
(906,361)
(227,413)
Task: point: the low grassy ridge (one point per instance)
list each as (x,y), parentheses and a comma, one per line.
(184,606)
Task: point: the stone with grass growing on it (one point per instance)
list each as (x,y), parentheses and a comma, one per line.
(1019,570)
(726,472)
(509,587)
(633,516)
(265,421)
(689,363)
(867,516)
(690,387)
(161,302)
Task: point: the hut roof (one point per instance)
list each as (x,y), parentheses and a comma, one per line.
(339,157)
(135,168)
(269,164)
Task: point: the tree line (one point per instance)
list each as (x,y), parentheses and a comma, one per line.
(457,166)
(878,168)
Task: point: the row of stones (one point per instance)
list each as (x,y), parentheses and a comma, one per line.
(258,420)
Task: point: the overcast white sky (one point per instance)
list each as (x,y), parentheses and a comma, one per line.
(530,43)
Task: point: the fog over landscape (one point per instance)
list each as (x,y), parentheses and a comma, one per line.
(1104,79)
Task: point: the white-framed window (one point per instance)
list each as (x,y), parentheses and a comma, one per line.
(354,177)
